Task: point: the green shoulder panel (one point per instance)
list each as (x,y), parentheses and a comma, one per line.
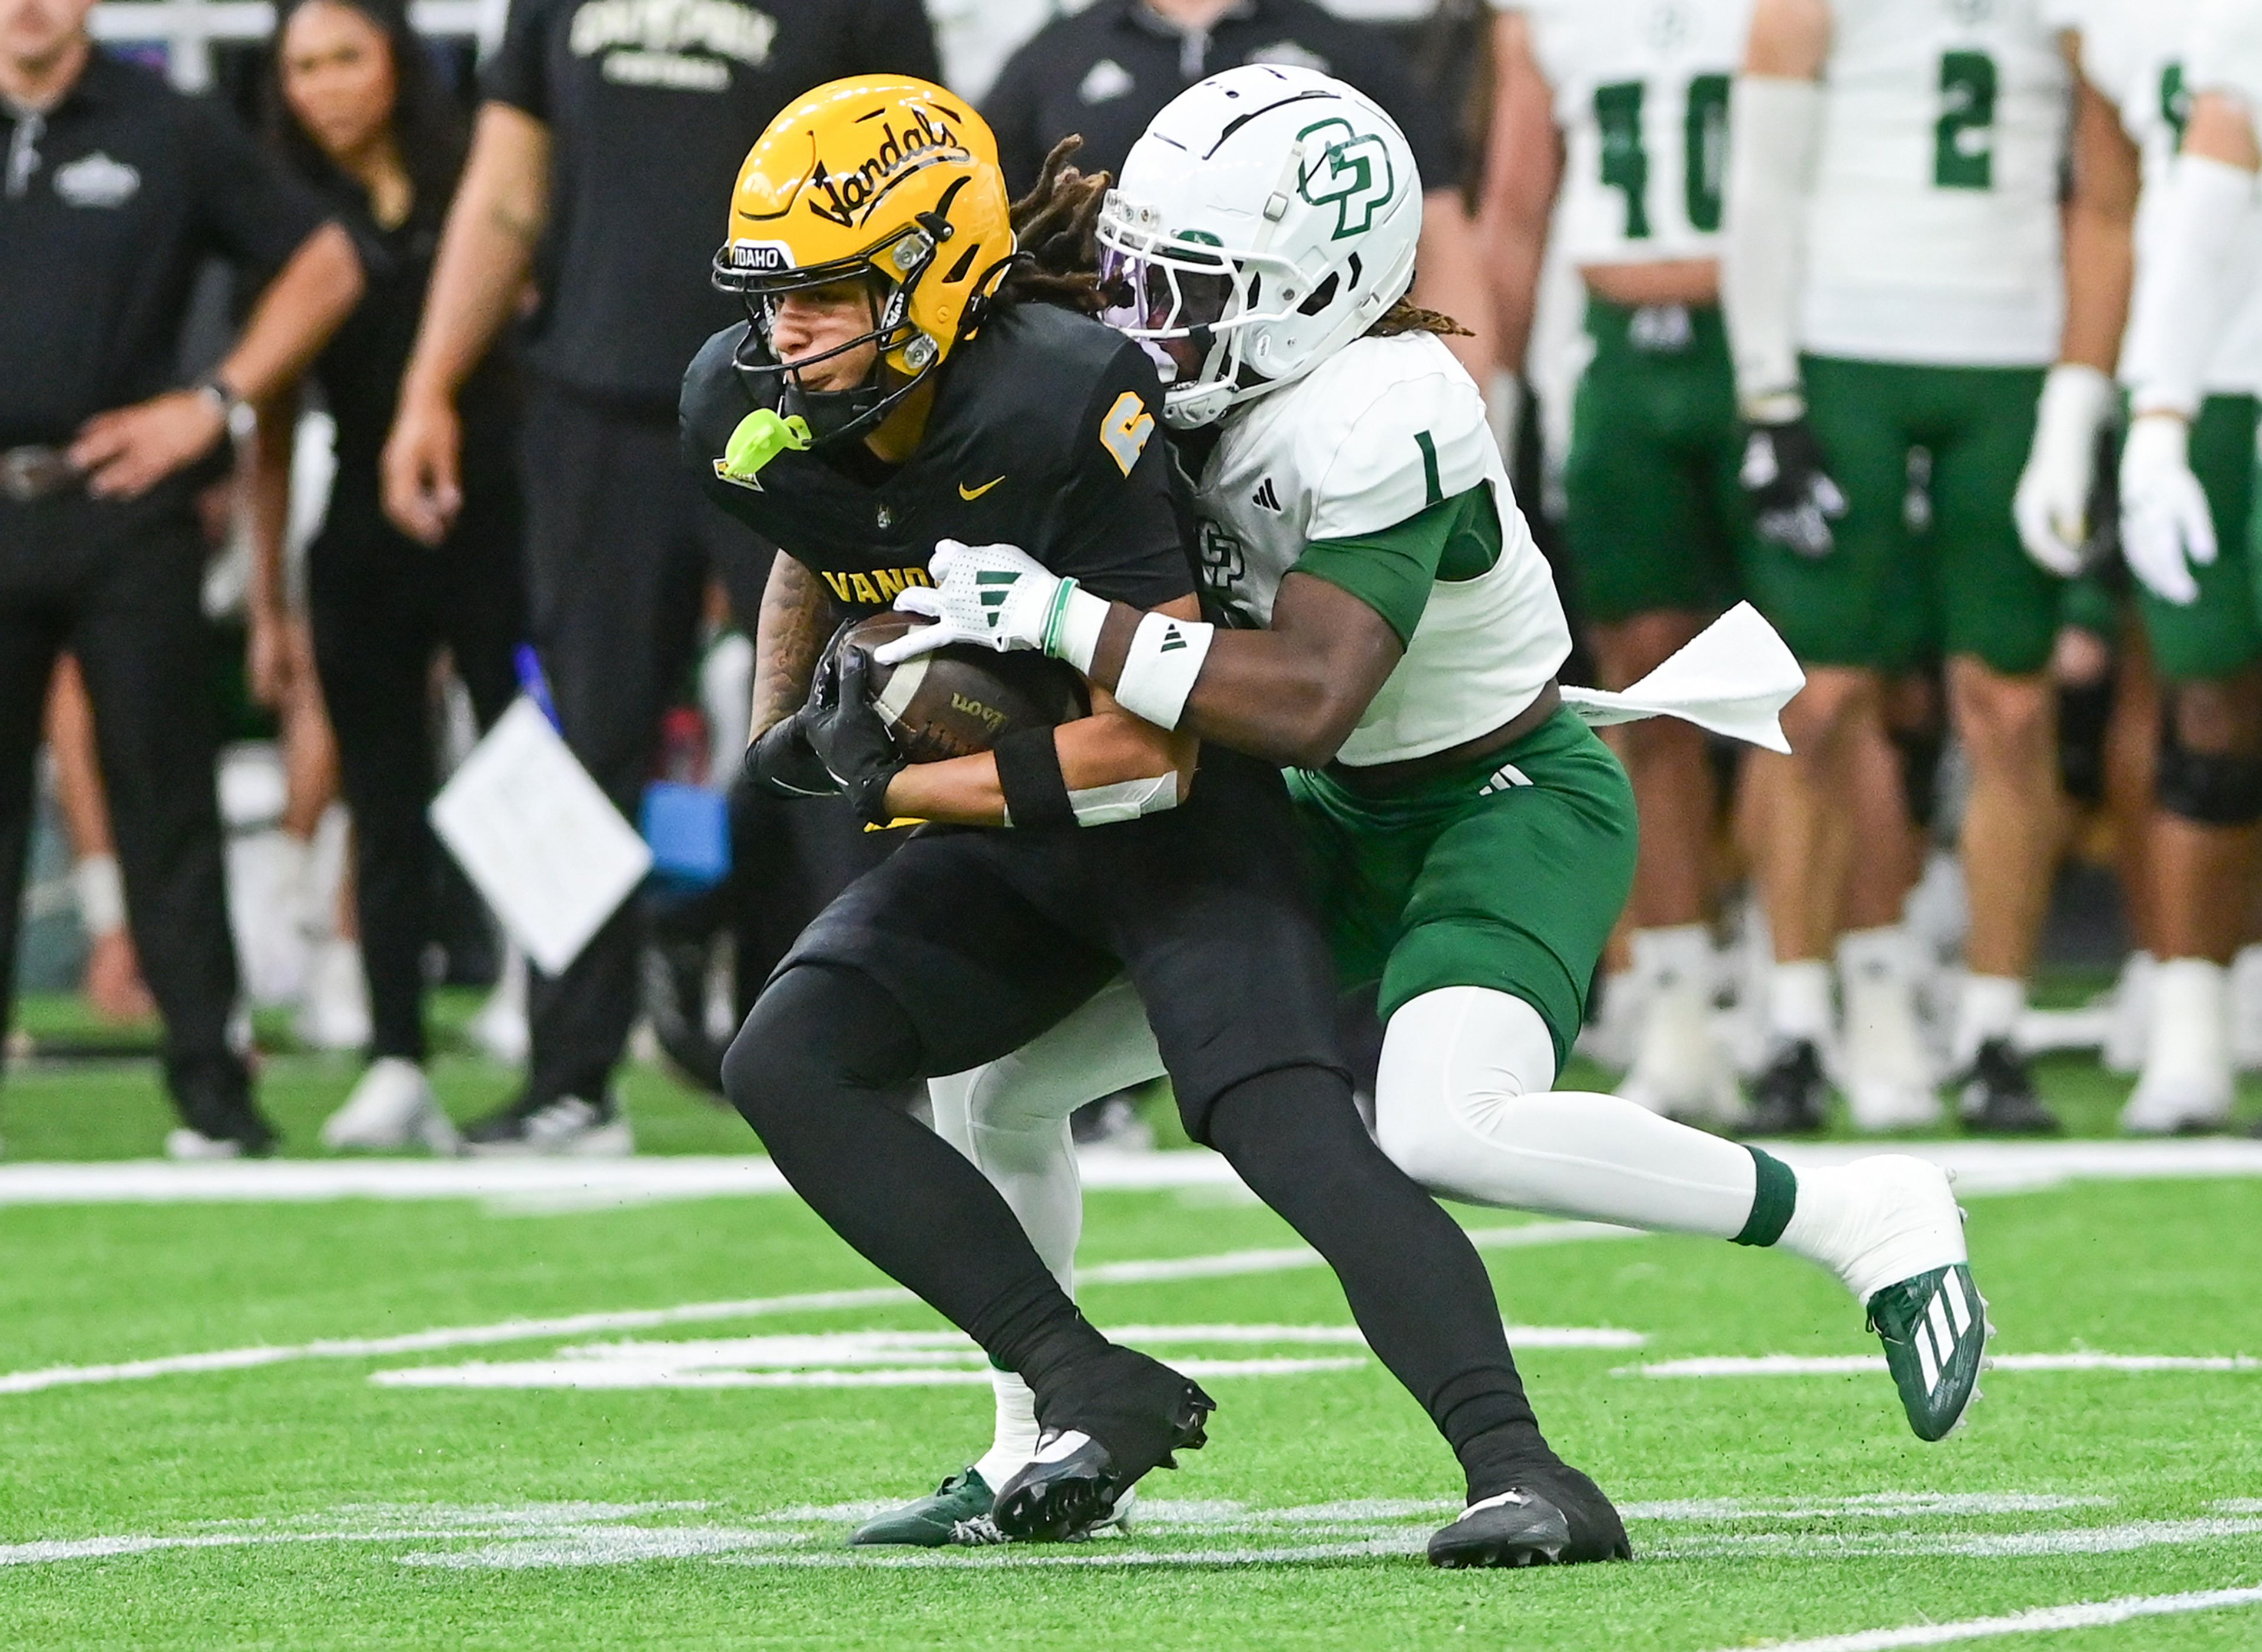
(1392,570)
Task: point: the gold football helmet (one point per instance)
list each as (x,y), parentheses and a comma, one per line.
(883,176)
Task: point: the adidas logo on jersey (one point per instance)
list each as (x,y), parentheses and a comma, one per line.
(1266,497)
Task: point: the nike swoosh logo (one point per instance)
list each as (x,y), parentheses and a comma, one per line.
(972,494)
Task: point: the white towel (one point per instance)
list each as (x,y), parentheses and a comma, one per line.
(1734,678)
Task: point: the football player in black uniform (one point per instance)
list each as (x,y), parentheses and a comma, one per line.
(902,380)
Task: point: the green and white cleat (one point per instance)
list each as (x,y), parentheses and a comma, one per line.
(1935,1328)
(1890,1228)
(960,1505)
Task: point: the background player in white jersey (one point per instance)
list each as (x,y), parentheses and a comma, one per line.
(1609,140)
(2194,364)
(1898,281)
(1393,636)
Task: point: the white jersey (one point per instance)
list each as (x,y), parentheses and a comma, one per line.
(1932,232)
(2133,52)
(1375,435)
(2226,52)
(1641,97)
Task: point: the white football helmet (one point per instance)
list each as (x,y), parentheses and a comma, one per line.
(1267,216)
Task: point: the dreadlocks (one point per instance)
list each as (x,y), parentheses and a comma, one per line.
(1406,316)
(1058,260)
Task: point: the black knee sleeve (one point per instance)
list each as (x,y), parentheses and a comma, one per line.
(2084,712)
(1920,751)
(2208,788)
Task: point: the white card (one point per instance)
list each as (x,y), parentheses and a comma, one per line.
(538,838)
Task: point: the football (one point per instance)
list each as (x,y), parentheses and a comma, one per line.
(961,700)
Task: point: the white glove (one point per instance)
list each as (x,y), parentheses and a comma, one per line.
(997,597)
(2165,526)
(992,596)
(2051,506)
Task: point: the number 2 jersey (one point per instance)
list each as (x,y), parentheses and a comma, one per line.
(1378,473)
(2135,52)
(1642,90)
(1932,228)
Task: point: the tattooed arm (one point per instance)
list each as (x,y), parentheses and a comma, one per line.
(789,635)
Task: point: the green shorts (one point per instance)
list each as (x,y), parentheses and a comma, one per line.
(1508,872)
(2221,634)
(1897,591)
(1655,517)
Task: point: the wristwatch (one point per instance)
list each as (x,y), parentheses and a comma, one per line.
(235,412)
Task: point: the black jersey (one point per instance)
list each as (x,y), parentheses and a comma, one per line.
(1044,434)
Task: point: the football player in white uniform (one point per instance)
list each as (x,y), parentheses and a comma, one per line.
(2194,365)
(1896,281)
(1392,635)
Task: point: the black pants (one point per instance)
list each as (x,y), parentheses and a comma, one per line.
(121,589)
(967,944)
(620,543)
(382,607)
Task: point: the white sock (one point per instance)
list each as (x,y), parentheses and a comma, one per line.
(2191,1017)
(1462,1106)
(1990,1009)
(1015,1439)
(1677,959)
(1885,950)
(1798,1002)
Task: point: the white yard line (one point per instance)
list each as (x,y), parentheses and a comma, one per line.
(2041,1620)
(1981,1167)
(1224,1264)
(1851,1364)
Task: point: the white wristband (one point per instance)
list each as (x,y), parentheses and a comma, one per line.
(101,895)
(1074,633)
(1166,655)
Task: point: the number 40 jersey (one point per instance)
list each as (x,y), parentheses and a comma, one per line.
(1932,230)
(1641,97)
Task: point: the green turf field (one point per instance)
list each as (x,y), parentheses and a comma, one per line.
(494,1422)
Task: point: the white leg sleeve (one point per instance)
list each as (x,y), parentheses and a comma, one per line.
(1011,1118)
(1462,1106)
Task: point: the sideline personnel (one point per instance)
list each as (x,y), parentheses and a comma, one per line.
(607,133)
(114,189)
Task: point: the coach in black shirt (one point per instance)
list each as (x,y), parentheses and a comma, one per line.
(113,189)
(1105,72)
(601,164)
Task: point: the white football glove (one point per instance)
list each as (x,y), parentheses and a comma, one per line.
(2051,506)
(2166,528)
(993,596)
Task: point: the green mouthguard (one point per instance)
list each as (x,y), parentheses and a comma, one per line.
(761,435)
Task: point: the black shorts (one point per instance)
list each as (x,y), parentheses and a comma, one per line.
(986,938)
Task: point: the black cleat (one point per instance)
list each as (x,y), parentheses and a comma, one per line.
(1788,1097)
(1554,1516)
(1998,1095)
(1075,1481)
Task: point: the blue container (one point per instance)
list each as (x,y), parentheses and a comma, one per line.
(689,829)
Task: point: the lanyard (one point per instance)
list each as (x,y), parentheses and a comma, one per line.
(22,150)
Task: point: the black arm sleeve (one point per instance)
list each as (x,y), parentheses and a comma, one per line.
(515,74)
(1115,530)
(892,37)
(250,208)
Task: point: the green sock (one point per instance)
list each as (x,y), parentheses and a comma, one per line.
(1774,1195)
